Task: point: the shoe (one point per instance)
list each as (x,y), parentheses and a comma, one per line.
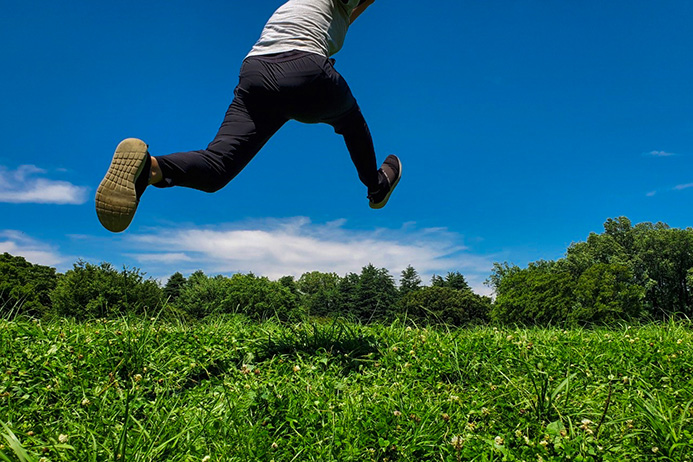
(120,190)
(390,173)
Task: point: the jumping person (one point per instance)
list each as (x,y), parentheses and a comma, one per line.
(288,75)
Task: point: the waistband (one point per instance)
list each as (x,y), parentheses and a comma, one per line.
(283,56)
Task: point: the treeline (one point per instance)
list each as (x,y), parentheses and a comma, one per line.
(641,272)
(627,273)
(90,291)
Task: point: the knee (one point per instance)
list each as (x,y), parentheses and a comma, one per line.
(350,122)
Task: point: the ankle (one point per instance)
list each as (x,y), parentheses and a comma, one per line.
(155,174)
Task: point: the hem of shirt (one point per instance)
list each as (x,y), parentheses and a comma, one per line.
(273,52)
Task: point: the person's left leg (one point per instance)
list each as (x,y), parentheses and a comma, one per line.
(334,104)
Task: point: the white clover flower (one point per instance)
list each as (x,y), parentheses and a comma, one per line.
(86,402)
(206,458)
(297,368)
(585,424)
(499,440)
(63,438)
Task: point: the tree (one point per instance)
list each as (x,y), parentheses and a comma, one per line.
(375,293)
(260,299)
(453,280)
(409,281)
(97,291)
(664,259)
(173,287)
(256,297)
(24,287)
(368,296)
(445,305)
(348,299)
(540,294)
(319,293)
(202,295)
(605,294)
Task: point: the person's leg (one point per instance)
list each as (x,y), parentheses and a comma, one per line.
(359,142)
(326,98)
(333,103)
(249,123)
(247,127)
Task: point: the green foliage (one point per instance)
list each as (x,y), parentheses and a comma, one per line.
(24,287)
(370,296)
(409,281)
(541,294)
(453,280)
(99,291)
(319,293)
(445,305)
(202,295)
(257,297)
(627,272)
(606,294)
(173,287)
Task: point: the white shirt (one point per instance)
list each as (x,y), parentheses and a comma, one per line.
(315,26)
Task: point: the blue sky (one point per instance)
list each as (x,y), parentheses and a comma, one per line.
(522,127)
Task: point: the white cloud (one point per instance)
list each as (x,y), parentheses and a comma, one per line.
(19,244)
(161,257)
(660,154)
(683,186)
(22,186)
(651,193)
(293,246)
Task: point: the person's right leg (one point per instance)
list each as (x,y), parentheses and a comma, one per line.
(247,127)
(249,123)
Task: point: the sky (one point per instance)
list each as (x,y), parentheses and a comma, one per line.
(521,126)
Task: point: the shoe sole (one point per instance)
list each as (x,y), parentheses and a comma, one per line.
(116,198)
(382,203)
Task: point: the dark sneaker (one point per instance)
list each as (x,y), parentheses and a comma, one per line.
(390,173)
(120,190)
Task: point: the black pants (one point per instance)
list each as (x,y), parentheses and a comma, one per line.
(271,91)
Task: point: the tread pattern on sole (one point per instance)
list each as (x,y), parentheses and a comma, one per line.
(116,199)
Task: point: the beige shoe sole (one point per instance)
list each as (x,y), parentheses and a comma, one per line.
(116,199)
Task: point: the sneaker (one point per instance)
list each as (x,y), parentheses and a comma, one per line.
(390,173)
(120,190)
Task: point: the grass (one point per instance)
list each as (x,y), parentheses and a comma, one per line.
(232,390)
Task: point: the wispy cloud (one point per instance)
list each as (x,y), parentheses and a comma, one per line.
(25,185)
(293,246)
(651,193)
(19,244)
(660,154)
(681,187)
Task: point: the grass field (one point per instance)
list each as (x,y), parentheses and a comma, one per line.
(231,390)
